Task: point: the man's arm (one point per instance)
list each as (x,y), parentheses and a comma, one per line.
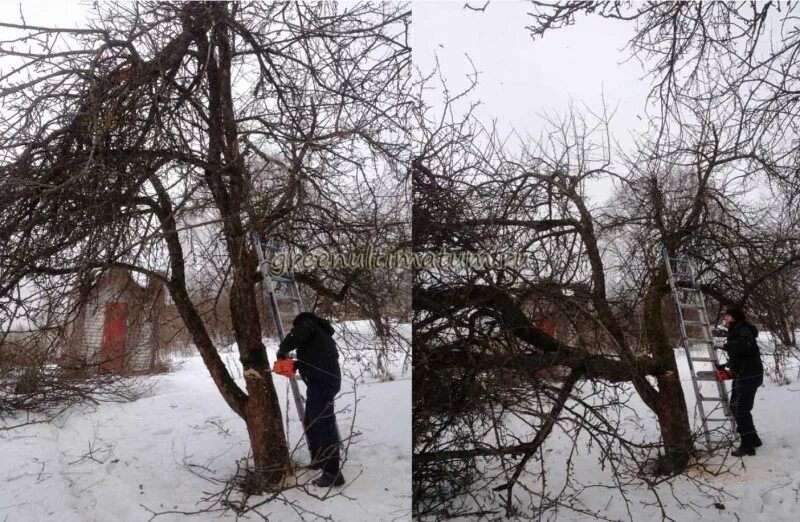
(299,335)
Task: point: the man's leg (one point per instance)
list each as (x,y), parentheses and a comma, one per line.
(735,406)
(745,392)
(734,401)
(322,424)
(313,411)
(328,438)
(330,446)
(744,416)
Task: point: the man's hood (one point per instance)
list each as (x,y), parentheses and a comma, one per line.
(323,323)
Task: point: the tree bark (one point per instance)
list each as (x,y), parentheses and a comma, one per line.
(669,403)
(673,419)
(226,179)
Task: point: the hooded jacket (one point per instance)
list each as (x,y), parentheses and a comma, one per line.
(317,357)
(744,357)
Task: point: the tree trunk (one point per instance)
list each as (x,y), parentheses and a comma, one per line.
(673,420)
(226,178)
(262,413)
(381,328)
(267,440)
(669,404)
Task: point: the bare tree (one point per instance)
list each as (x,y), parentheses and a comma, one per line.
(736,57)
(120,137)
(485,364)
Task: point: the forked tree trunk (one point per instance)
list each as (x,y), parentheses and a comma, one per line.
(259,408)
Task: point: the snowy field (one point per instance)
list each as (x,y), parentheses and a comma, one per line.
(765,487)
(114,462)
(761,488)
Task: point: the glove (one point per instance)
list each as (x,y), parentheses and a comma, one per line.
(284,367)
(281,355)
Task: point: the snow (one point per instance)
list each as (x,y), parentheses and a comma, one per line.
(765,487)
(154,452)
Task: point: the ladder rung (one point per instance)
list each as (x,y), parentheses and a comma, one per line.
(280,279)
(703,359)
(705,376)
(691,306)
(696,323)
(723,419)
(286,297)
(711,399)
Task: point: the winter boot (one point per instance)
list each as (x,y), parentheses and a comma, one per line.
(743,450)
(747,447)
(327,480)
(757,441)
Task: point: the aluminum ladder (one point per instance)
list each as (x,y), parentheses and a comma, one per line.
(698,344)
(277,290)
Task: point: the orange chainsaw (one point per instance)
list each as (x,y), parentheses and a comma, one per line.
(723,374)
(720,373)
(285,367)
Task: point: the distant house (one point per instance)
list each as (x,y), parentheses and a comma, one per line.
(120,326)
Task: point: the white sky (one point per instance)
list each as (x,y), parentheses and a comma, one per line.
(521,78)
(55,13)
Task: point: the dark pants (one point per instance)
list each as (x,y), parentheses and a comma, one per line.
(743,394)
(320,426)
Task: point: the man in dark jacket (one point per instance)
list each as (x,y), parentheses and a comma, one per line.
(318,364)
(744,361)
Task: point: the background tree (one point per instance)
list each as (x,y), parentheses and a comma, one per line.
(735,57)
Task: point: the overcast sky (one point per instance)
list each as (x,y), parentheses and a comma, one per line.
(55,13)
(521,78)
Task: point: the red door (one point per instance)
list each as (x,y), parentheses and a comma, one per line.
(543,323)
(113,348)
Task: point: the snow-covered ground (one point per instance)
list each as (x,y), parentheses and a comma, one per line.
(152,454)
(761,488)
(765,487)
